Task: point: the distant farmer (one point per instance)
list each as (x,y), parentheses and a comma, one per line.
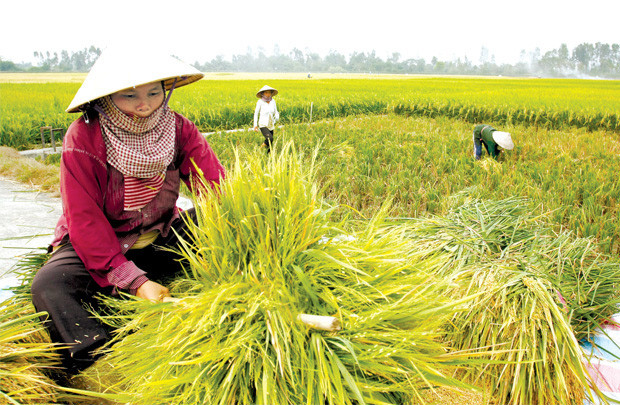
(266,114)
(491,138)
(122,164)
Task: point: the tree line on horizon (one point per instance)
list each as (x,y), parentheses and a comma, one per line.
(586,60)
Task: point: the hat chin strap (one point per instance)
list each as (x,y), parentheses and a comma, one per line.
(98,108)
(171,89)
(85,115)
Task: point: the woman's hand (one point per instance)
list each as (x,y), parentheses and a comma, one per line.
(152,291)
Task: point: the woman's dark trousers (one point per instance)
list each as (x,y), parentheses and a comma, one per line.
(268,134)
(65,290)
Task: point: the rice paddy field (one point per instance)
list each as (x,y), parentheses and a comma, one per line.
(456,281)
(226,101)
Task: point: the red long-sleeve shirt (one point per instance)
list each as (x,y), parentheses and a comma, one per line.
(92,192)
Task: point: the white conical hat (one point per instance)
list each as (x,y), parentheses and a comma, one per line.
(503,139)
(120,68)
(273,91)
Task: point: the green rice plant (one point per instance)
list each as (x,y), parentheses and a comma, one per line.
(542,363)
(418,163)
(228,104)
(24,270)
(586,278)
(265,251)
(268,248)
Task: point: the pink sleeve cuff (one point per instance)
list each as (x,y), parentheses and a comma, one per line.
(137,283)
(124,275)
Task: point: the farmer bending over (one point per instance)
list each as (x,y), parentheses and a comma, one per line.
(491,138)
(122,163)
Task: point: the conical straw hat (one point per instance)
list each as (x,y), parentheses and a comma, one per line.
(119,69)
(274,91)
(503,139)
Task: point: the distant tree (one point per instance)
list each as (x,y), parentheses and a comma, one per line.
(65,64)
(314,63)
(374,63)
(550,63)
(394,58)
(414,66)
(262,61)
(358,62)
(8,66)
(615,56)
(336,62)
(83,60)
(564,57)
(583,55)
(44,60)
(484,55)
(439,67)
(80,61)
(217,65)
(298,58)
(602,60)
(534,59)
(243,63)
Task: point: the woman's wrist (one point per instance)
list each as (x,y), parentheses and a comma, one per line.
(137,283)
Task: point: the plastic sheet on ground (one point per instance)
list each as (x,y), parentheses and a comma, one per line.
(5,284)
(602,360)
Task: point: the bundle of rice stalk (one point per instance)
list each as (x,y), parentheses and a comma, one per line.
(524,268)
(24,361)
(48,382)
(586,279)
(25,270)
(265,252)
(542,361)
(480,232)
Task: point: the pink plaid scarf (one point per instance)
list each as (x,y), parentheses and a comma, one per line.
(140,148)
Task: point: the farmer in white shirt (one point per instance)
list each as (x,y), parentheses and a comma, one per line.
(266,114)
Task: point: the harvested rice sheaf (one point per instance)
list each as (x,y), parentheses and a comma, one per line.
(25,358)
(264,252)
(477,232)
(541,290)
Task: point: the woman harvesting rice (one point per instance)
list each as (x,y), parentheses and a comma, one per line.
(121,168)
(492,139)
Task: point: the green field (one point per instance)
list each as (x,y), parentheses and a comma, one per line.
(227,101)
(419,163)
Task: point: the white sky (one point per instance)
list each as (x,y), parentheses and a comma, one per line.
(199,30)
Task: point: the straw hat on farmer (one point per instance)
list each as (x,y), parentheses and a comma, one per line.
(492,139)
